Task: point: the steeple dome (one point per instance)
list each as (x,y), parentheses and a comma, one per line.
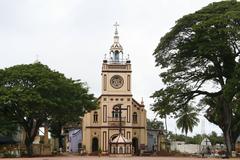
(116,49)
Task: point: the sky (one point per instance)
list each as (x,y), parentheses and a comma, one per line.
(72,37)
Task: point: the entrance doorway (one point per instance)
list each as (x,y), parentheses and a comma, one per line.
(95,145)
(135,145)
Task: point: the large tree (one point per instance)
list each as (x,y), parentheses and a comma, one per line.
(70,116)
(67,115)
(33,94)
(200,59)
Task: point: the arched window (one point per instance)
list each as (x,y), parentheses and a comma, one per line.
(116,56)
(134,117)
(115,114)
(95,117)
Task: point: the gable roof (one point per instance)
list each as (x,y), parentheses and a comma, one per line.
(141,105)
(120,139)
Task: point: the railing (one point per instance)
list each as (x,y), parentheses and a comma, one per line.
(116,119)
(117,61)
(117,67)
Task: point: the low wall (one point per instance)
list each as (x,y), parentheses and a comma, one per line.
(41,149)
(185,148)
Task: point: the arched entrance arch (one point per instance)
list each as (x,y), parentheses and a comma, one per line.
(135,145)
(94,144)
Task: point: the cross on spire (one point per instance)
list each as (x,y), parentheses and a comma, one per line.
(116,25)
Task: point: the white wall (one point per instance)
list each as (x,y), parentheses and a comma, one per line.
(185,148)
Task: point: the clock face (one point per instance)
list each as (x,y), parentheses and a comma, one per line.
(116,81)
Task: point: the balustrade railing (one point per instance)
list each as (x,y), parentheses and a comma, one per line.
(116,119)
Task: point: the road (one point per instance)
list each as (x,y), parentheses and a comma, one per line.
(112,158)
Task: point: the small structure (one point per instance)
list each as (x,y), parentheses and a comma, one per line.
(41,144)
(75,140)
(206,142)
(120,145)
(206,146)
(156,140)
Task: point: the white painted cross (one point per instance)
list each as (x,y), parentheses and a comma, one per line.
(116,25)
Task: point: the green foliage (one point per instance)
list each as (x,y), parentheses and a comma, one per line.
(197,139)
(215,139)
(189,140)
(33,94)
(201,48)
(154,124)
(200,58)
(176,137)
(70,114)
(7,126)
(187,119)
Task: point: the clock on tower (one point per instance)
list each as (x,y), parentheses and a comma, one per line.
(116,81)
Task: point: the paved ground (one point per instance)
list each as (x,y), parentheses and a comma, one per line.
(112,158)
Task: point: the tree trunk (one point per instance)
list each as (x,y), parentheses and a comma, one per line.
(227,119)
(235,128)
(234,137)
(166,123)
(29,148)
(221,115)
(31,128)
(60,136)
(60,141)
(227,138)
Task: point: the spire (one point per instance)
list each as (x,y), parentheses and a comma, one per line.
(142,102)
(116,37)
(116,31)
(116,48)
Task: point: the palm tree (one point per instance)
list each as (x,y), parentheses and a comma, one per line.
(187,119)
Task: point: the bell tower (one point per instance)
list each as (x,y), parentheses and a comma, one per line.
(116,70)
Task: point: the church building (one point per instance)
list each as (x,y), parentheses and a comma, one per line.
(118,126)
